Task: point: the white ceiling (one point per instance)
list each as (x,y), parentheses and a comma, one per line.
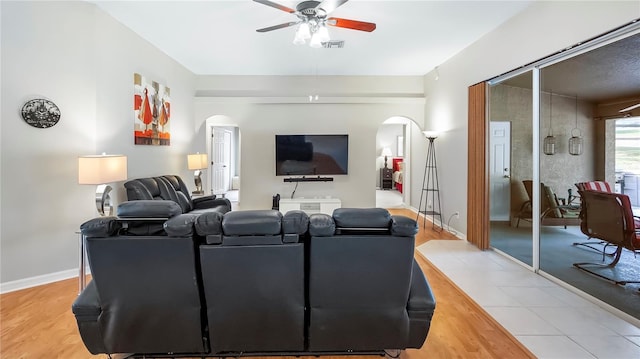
(218,37)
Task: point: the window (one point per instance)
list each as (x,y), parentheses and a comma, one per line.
(628,146)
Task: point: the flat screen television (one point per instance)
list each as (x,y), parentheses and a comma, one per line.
(312,155)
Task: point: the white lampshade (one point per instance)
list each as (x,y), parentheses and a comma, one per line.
(386,151)
(323,33)
(315,41)
(302,34)
(101,169)
(197,161)
(430,134)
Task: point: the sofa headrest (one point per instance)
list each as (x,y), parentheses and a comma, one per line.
(142,188)
(362,218)
(148,209)
(100,227)
(252,222)
(321,225)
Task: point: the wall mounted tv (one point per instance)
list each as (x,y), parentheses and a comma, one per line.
(312,155)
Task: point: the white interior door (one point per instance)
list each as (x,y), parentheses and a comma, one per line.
(221,158)
(499,170)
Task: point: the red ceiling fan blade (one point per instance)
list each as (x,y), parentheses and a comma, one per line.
(275,5)
(351,24)
(329,5)
(276,27)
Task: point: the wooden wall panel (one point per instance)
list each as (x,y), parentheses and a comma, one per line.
(477,181)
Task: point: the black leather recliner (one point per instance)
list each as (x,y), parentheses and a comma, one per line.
(145,296)
(366,292)
(254,280)
(173,188)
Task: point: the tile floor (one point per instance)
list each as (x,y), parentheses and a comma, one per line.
(548,319)
(389,198)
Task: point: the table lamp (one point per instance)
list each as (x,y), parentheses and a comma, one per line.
(386,151)
(100,170)
(197,162)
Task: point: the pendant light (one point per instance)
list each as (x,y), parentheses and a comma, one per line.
(549,144)
(575,142)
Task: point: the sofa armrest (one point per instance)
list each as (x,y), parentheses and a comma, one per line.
(403,226)
(203,199)
(212,202)
(421,299)
(420,308)
(148,209)
(87,304)
(321,225)
(182,225)
(87,311)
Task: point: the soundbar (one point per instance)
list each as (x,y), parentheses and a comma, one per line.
(308,179)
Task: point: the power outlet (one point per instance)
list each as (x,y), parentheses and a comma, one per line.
(456,214)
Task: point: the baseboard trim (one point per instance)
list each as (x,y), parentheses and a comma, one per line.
(449,229)
(30,282)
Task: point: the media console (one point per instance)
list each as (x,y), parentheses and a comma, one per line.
(310,205)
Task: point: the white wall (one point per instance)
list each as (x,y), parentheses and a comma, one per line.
(541,29)
(260,122)
(83,60)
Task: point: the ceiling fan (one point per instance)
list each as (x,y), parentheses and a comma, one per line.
(312,21)
(630,108)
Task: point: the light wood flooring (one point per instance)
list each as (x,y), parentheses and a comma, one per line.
(38,323)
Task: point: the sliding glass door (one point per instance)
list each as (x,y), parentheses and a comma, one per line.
(582,98)
(551,125)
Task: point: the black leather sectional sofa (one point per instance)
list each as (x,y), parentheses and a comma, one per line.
(251,283)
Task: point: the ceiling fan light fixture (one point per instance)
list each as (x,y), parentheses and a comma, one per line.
(316,41)
(323,32)
(303,33)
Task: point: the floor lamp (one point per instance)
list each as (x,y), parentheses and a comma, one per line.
(430,188)
(100,170)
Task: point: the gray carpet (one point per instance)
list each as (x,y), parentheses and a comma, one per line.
(557,255)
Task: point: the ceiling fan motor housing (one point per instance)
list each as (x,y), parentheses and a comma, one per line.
(309,9)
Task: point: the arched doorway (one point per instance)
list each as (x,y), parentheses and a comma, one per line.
(223,148)
(393,178)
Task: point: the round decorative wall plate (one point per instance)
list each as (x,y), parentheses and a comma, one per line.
(40,113)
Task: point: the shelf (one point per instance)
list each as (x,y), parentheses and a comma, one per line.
(310,205)
(430,213)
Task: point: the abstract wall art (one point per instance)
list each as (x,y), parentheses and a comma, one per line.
(152,112)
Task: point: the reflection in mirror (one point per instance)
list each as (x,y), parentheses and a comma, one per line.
(511,167)
(590,92)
